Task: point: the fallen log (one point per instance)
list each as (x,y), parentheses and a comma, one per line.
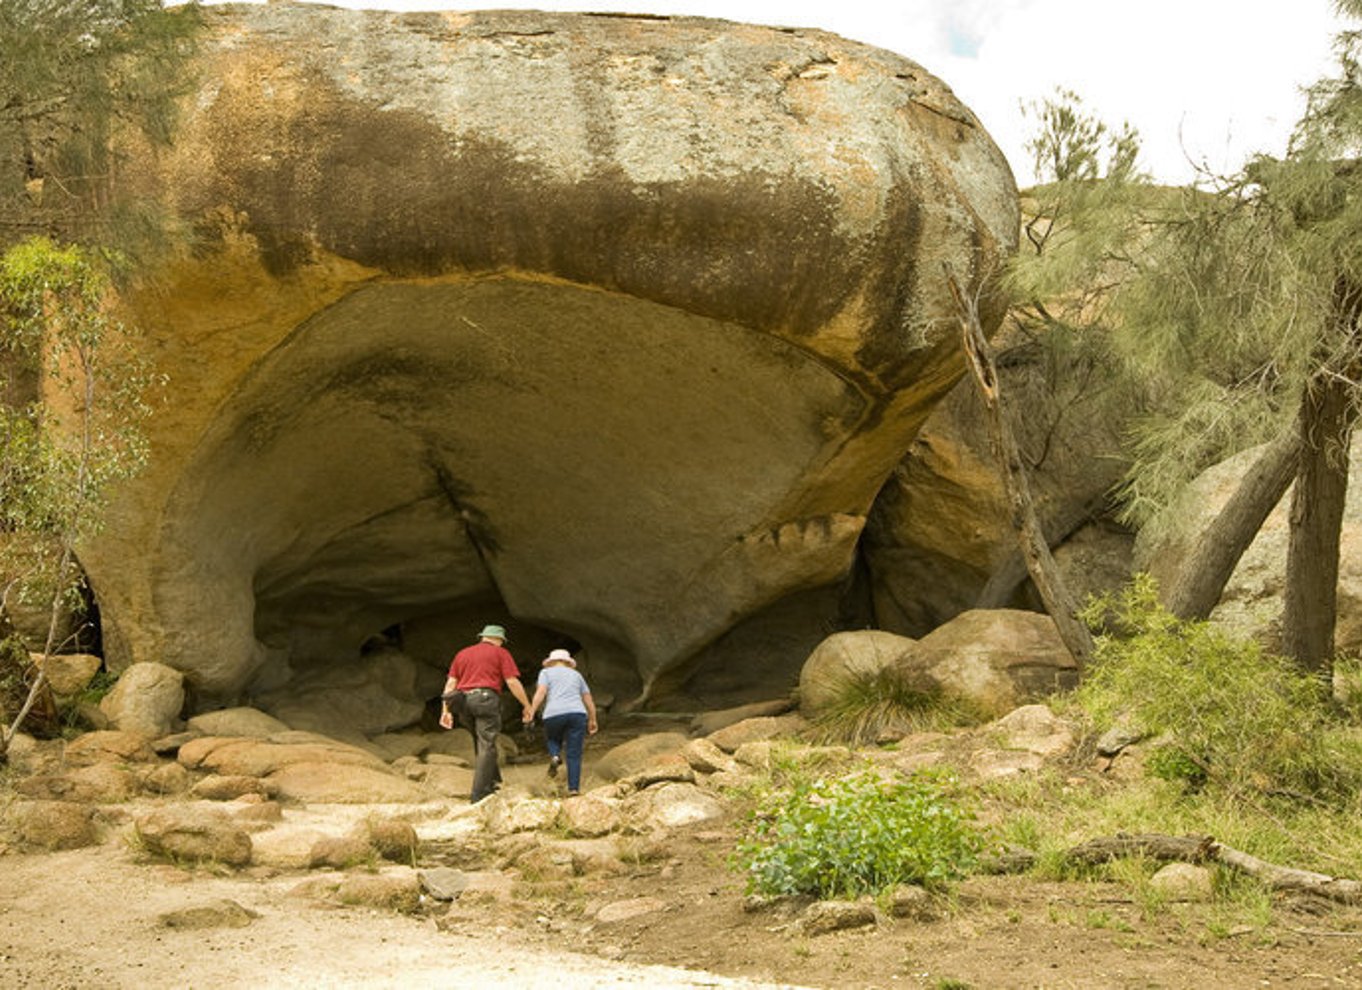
(1196,849)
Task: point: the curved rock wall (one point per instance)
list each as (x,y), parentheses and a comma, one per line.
(607,327)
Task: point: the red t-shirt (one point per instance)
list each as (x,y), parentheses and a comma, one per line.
(482,665)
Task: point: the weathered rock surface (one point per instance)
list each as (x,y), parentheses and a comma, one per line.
(224,913)
(54,824)
(843,658)
(443,258)
(998,659)
(147,699)
(242,721)
(69,673)
(635,755)
(190,833)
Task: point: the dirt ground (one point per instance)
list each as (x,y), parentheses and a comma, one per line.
(88,918)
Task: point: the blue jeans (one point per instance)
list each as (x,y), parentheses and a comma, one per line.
(566,734)
(483,706)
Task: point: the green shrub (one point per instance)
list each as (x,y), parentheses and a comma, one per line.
(855,835)
(1231,716)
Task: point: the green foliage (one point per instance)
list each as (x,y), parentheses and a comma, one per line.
(867,705)
(857,834)
(1238,719)
(61,452)
(76,77)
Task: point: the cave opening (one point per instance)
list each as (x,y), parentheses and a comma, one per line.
(579,465)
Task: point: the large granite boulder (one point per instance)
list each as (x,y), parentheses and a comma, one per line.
(604,327)
(1251,604)
(147,699)
(997,659)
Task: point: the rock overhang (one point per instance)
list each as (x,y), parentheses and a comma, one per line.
(617,324)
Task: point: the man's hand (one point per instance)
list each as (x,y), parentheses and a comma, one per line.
(527,715)
(446,719)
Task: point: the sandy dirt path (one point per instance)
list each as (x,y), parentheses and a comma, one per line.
(89,918)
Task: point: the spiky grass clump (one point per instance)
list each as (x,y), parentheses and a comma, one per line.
(869,707)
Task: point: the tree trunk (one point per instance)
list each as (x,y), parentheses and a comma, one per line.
(1059,603)
(1327,415)
(1204,573)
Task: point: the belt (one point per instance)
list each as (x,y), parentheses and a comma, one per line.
(477,689)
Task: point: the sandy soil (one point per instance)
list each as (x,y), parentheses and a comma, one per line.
(89,918)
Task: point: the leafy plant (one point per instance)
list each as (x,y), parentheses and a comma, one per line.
(60,453)
(857,834)
(1231,715)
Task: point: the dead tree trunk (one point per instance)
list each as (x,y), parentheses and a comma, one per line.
(1207,569)
(1059,603)
(1195,849)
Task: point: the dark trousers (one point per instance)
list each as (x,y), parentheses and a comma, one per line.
(483,706)
(566,734)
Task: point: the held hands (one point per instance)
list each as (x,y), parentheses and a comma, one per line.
(527,715)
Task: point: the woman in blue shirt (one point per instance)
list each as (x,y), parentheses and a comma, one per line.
(569,714)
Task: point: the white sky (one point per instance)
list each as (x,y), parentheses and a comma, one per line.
(1209,80)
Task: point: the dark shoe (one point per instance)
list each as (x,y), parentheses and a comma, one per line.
(554,763)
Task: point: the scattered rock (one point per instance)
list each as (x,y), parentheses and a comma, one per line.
(69,673)
(671,806)
(910,901)
(243,721)
(340,851)
(216,787)
(391,891)
(709,722)
(635,755)
(448,781)
(443,883)
(589,815)
(705,757)
(667,768)
(988,764)
(502,816)
(102,783)
(194,834)
(822,917)
(749,730)
(756,755)
(1183,882)
(633,908)
(344,784)
(109,746)
(147,699)
(54,824)
(292,847)
(216,914)
(168,778)
(1035,729)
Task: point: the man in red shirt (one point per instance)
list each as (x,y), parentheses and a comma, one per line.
(477,675)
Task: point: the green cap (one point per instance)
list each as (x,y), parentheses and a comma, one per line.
(493,632)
